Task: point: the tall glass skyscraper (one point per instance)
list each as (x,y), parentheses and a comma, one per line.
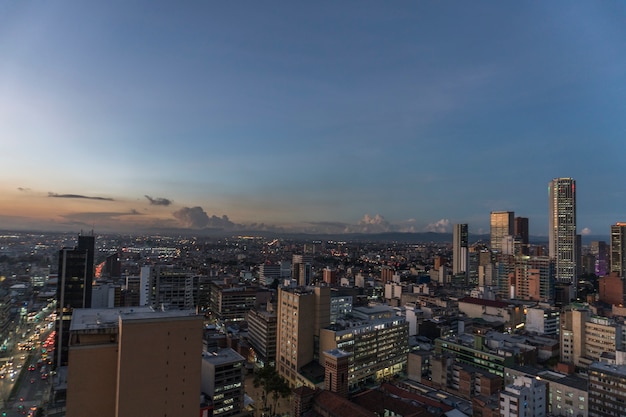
(562,233)
(460,250)
(501,226)
(618,249)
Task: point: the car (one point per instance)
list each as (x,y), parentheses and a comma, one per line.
(31,367)
(32,380)
(44,376)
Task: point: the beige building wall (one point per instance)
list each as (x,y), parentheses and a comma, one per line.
(296,328)
(134,362)
(92,380)
(159,367)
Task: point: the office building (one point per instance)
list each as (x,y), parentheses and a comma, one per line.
(520,230)
(501,226)
(302,269)
(618,249)
(601,253)
(268,273)
(329,276)
(233,302)
(374,338)
(134,362)
(607,396)
(262,328)
(222,381)
(460,250)
(75,280)
(302,312)
(585,337)
(562,239)
(526,277)
(166,287)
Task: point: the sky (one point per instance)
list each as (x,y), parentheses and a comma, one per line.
(351,116)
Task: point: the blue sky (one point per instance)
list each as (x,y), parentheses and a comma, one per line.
(318,116)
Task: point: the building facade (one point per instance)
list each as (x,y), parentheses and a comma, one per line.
(562,230)
(460,250)
(607,396)
(526,397)
(501,226)
(134,361)
(618,249)
(262,325)
(377,347)
(223,381)
(302,312)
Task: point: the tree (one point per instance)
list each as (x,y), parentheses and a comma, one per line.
(272,384)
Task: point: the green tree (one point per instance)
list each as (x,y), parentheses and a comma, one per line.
(272,385)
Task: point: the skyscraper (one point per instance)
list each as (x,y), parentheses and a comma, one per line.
(521,231)
(618,248)
(460,249)
(562,233)
(501,226)
(302,312)
(76,269)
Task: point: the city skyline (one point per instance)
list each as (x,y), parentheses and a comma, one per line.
(320,118)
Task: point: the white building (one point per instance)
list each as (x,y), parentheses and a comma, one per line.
(526,397)
(543,320)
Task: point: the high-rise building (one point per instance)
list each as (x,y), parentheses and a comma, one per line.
(262,334)
(301,269)
(600,252)
(521,231)
(618,248)
(460,250)
(533,278)
(562,232)
(501,226)
(134,361)
(302,312)
(75,280)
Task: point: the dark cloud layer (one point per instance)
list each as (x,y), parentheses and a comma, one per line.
(55,195)
(158,201)
(23,189)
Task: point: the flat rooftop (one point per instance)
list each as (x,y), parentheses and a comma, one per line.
(107,318)
(222,356)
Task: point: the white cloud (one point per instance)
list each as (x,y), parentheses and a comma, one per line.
(586,231)
(440,226)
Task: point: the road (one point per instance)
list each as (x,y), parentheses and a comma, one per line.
(30,389)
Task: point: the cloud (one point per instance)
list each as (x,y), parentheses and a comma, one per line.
(55,195)
(586,231)
(158,201)
(440,226)
(370,224)
(23,189)
(196,218)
